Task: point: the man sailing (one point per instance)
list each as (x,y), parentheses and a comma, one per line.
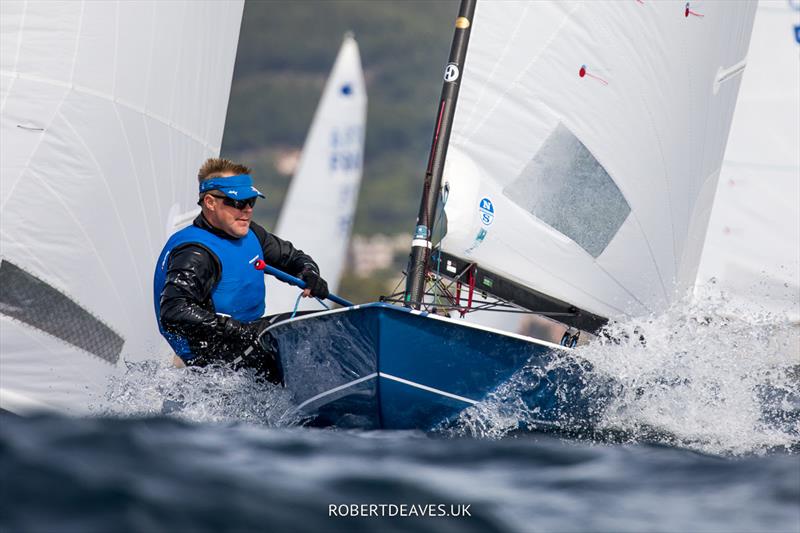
(209,297)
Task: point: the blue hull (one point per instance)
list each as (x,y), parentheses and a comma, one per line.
(380,366)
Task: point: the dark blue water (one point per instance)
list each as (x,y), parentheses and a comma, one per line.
(163,474)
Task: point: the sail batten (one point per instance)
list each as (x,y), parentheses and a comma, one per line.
(606,122)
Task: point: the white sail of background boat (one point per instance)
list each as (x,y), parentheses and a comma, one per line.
(107,110)
(753,244)
(317,214)
(587,144)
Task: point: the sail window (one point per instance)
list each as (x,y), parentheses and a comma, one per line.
(36,303)
(567,188)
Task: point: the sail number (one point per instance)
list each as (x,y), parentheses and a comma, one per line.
(345,152)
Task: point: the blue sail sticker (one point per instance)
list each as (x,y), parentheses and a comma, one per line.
(478,240)
(486,209)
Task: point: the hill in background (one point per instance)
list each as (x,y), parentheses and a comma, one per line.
(286,50)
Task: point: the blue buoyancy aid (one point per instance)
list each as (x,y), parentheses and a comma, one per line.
(240,291)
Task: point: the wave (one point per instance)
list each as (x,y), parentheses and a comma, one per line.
(703,375)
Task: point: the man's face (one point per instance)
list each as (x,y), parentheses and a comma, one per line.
(234,222)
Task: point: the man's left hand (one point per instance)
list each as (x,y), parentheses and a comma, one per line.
(315,285)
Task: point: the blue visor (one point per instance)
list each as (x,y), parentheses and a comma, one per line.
(239,187)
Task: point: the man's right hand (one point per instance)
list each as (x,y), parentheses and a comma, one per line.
(249,351)
(233,331)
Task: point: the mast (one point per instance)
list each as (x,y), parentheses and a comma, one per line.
(421,244)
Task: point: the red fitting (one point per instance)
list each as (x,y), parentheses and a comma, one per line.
(260,264)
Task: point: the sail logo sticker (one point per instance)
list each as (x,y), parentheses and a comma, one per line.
(451,72)
(486,209)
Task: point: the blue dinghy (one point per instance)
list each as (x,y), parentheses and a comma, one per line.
(381,366)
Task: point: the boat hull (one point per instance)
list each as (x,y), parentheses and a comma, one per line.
(380,366)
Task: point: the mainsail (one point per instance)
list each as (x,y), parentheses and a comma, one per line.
(318,212)
(753,244)
(107,110)
(587,143)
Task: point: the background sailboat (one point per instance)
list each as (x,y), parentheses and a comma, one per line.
(753,244)
(317,214)
(107,109)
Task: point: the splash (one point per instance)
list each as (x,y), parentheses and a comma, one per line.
(580,398)
(211,394)
(704,375)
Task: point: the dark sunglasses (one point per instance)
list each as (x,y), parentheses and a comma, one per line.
(237,204)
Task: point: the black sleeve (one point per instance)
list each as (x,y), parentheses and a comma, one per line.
(186,305)
(282,254)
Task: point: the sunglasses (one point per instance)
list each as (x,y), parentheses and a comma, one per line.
(236,204)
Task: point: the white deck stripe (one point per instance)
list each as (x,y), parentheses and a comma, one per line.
(336,389)
(454,321)
(426,388)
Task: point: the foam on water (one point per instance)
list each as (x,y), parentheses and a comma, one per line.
(211,394)
(703,375)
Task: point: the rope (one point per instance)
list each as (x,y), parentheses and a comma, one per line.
(297,304)
(471,278)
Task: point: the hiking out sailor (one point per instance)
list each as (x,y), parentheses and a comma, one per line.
(209,298)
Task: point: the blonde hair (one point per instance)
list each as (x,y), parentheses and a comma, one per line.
(217,166)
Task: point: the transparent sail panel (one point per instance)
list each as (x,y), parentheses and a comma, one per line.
(31,300)
(566,187)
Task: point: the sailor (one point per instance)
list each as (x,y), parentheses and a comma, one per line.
(209,297)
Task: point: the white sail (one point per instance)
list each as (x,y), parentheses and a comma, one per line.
(318,212)
(107,110)
(753,244)
(587,144)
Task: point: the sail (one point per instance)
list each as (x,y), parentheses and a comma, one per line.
(317,214)
(107,110)
(753,244)
(587,144)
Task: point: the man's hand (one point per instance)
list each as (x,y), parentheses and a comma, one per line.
(315,285)
(235,332)
(247,350)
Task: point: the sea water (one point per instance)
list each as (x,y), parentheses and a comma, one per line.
(700,432)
